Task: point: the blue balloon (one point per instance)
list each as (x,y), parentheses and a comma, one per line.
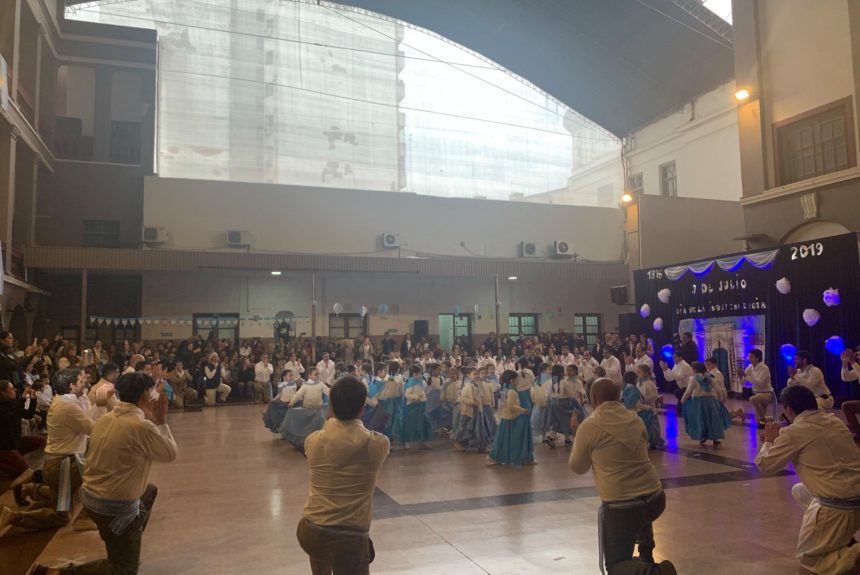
(667,351)
(788,351)
(834,345)
(457,310)
(383,308)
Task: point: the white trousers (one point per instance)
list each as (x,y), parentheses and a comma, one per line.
(825,532)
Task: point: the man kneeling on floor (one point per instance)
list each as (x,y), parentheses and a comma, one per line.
(343,460)
(115,490)
(614,441)
(827,461)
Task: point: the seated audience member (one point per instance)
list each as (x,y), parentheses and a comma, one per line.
(116,490)
(68,428)
(344,459)
(823,454)
(180,381)
(13,445)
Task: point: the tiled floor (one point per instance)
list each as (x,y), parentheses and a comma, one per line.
(231,502)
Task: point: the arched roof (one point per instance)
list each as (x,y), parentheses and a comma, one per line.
(621,63)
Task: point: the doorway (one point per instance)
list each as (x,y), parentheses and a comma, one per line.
(452,327)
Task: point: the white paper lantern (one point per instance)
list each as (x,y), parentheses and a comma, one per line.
(783,286)
(664,294)
(811,316)
(645,310)
(658,324)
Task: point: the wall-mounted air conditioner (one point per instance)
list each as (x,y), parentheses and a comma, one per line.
(155,236)
(238,239)
(529,250)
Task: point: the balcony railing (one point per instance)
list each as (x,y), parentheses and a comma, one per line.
(69,141)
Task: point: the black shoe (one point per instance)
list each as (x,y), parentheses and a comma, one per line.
(666,568)
(549,442)
(39,570)
(18,492)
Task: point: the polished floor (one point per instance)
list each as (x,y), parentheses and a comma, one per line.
(231,502)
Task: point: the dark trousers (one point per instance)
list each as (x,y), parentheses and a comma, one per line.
(851,409)
(678,393)
(12,461)
(123,551)
(625,528)
(335,553)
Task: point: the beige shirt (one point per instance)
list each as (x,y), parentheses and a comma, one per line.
(124,444)
(343,460)
(615,442)
(510,408)
(823,453)
(68,427)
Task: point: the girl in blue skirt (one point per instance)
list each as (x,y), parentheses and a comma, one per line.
(375,418)
(513,443)
(702,414)
(391,400)
(416,427)
(474,429)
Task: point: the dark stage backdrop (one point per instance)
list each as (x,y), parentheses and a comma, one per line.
(745,287)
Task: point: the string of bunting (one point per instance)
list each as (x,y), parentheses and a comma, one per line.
(214,322)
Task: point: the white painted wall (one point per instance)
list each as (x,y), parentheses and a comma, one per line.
(409,297)
(806,59)
(805,54)
(702,140)
(198,214)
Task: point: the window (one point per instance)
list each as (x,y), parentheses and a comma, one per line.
(669,180)
(101,233)
(635,184)
(588,327)
(71,333)
(217,325)
(356,104)
(346,325)
(522,324)
(816,143)
(463,326)
(123,332)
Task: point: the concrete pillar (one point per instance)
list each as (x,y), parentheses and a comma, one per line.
(84,287)
(102,122)
(31,230)
(16,52)
(751,119)
(8,145)
(37,97)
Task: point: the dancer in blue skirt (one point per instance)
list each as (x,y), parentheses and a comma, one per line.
(702,414)
(513,443)
(648,406)
(474,430)
(391,400)
(416,427)
(375,418)
(433,390)
(307,412)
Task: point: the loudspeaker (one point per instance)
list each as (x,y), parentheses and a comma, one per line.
(421,328)
(619,295)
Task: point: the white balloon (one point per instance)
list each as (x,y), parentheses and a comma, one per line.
(645,310)
(363,311)
(811,316)
(337,308)
(783,286)
(830,297)
(664,294)
(658,324)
